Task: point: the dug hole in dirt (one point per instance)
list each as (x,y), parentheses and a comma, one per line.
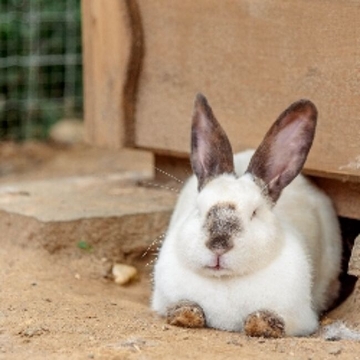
(66,216)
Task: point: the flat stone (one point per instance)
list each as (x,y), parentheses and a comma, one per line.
(104,209)
(84,197)
(354,263)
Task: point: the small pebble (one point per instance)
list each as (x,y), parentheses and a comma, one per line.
(67,131)
(334,350)
(234,342)
(123,273)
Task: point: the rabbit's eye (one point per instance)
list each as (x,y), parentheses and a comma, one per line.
(254,213)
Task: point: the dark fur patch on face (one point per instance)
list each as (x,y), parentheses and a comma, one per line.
(222,224)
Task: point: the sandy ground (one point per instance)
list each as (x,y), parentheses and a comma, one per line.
(61,306)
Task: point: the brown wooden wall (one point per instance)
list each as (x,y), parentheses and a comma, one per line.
(146,59)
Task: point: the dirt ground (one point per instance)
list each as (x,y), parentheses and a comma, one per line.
(61,306)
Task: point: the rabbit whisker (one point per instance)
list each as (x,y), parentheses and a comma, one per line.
(156,241)
(163,187)
(169,175)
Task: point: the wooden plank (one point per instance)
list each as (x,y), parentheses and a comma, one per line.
(252,59)
(108,54)
(346,196)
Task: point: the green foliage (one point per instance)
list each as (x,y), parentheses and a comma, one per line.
(40,65)
(83,245)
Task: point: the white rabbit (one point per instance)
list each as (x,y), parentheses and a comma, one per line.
(237,255)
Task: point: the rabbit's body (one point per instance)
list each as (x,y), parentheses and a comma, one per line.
(230,250)
(310,212)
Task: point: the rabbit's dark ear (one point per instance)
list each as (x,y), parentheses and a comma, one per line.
(211,153)
(283,152)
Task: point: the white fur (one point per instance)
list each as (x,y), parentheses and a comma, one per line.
(338,330)
(285,259)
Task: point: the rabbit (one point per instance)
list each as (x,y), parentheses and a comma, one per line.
(252,245)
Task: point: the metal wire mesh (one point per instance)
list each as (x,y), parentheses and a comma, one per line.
(40,65)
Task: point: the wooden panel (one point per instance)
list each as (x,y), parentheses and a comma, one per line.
(109,67)
(252,58)
(346,197)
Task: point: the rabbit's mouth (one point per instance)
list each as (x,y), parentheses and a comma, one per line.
(215,268)
(217,265)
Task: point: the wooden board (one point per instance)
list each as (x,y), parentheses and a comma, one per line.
(252,58)
(346,196)
(110,58)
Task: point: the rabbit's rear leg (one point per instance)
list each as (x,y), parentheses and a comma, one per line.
(264,323)
(186,314)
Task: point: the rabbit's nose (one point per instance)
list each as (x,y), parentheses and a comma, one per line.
(220,244)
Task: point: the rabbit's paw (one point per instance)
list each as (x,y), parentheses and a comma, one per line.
(264,323)
(186,314)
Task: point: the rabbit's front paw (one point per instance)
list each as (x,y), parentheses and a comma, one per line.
(264,323)
(186,314)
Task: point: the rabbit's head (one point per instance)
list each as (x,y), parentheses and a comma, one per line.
(232,229)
